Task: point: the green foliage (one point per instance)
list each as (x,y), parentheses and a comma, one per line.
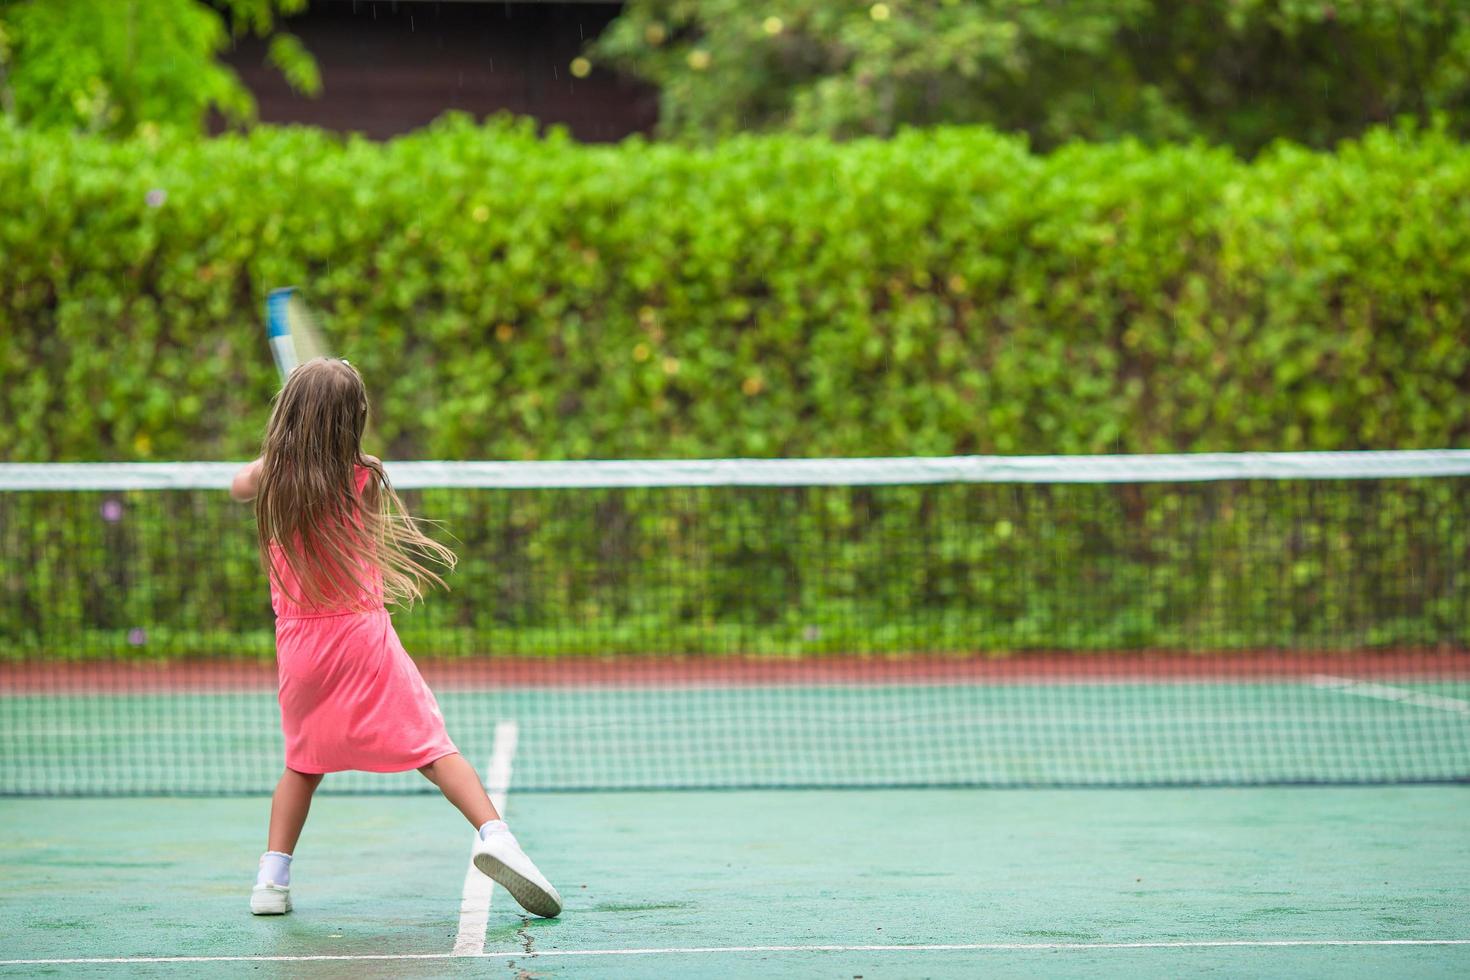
(943,292)
(1330,566)
(110,66)
(1241,72)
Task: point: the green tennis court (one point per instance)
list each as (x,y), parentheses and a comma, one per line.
(855,718)
(1271,881)
(877,883)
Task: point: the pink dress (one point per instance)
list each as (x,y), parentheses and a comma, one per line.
(351,697)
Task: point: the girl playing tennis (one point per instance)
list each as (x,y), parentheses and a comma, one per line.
(337,544)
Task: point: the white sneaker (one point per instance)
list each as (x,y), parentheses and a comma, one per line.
(270,899)
(501,857)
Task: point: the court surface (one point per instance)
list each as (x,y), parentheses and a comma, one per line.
(155,731)
(1353,881)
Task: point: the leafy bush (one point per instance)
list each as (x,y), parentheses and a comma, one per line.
(1240,72)
(103,66)
(944,292)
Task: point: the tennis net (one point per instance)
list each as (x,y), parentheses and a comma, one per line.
(968,621)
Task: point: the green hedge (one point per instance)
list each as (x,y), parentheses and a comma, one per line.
(943,292)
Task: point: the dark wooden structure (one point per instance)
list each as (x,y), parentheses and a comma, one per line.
(390,66)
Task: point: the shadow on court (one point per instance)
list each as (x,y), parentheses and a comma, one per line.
(1265,882)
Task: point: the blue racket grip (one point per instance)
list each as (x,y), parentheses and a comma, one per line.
(276,321)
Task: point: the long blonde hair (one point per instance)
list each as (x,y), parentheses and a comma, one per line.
(331,538)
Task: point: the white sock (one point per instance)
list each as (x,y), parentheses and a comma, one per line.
(275,869)
(493,827)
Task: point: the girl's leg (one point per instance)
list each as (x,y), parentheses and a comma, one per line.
(272,892)
(497,853)
(460,785)
(289,807)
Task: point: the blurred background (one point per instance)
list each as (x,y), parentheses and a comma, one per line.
(671,229)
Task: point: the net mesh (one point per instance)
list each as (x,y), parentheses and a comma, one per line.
(1116,621)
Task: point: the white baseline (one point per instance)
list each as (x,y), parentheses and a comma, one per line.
(675,950)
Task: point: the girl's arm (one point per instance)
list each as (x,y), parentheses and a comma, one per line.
(247,481)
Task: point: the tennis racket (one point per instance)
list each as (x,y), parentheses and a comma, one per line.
(295,334)
(294,330)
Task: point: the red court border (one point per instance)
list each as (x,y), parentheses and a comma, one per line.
(488,673)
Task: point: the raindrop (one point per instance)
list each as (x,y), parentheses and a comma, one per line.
(112,511)
(137,637)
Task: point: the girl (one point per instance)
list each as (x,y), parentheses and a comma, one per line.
(338,544)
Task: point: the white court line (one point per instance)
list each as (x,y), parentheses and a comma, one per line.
(1383,692)
(474,899)
(661,951)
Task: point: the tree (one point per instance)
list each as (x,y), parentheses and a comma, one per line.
(110,66)
(1241,72)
